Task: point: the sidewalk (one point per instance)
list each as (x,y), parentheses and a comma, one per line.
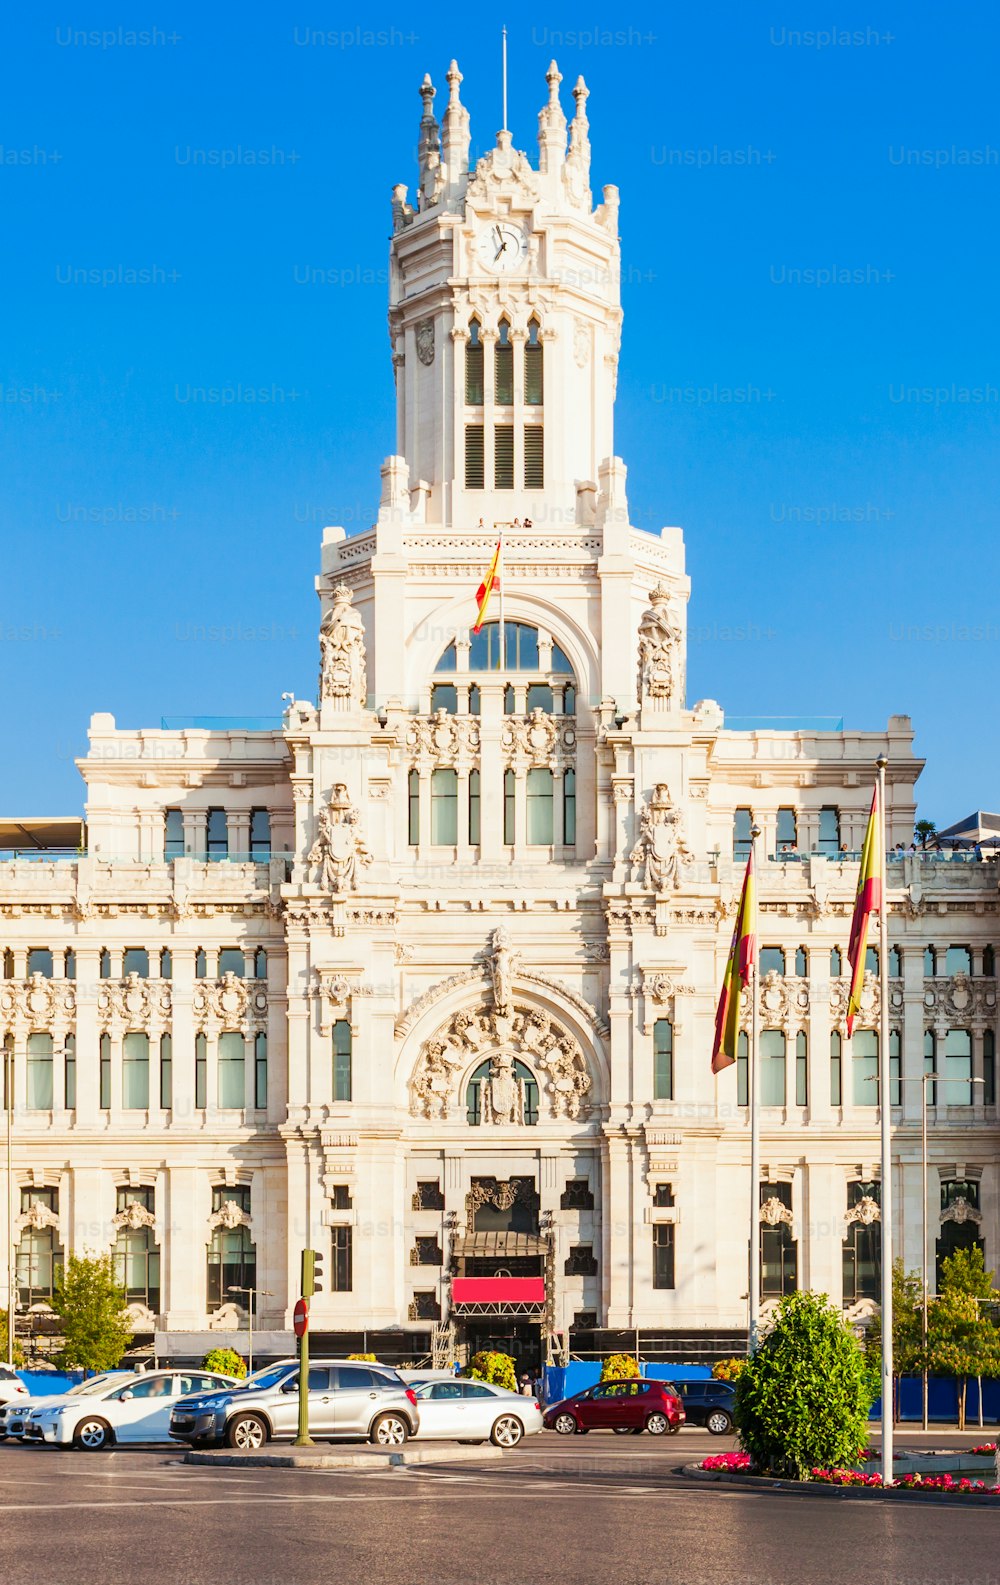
(323,1456)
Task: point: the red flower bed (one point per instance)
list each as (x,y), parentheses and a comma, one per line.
(729,1461)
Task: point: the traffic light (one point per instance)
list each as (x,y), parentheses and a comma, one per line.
(312,1273)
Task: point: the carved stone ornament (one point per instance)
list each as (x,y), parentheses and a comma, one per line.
(502,1094)
(538,738)
(503,964)
(660,650)
(782,1003)
(230,1215)
(526,1034)
(871,1000)
(503,1194)
(333,989)
(773,1212)
(38,1217)
(961,1211)
(506,172)
(661,987)
(134,1003)
(229,1001)
(342,652)
(38,1002)
(442,738)
(134,1217)
(581,343)
(339,848)
(424,335)
(866,1212)
(661,850)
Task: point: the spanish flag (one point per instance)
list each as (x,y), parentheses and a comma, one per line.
(742,957)
(491,581)
(867,901)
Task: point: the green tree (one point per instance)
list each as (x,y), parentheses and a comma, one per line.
(924,830)
(907,1332)
(620,1367)
(18,1352)
(226,1361)
(962,1339)
(91,1306)
(492,1366)
(728,1369)
(965,1272)
(802,1400)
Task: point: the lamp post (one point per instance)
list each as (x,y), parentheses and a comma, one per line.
(261,1293)
(927,1078)
(8,1106)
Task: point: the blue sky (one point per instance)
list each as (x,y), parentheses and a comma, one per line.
(810,381)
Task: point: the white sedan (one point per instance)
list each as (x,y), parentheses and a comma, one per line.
(136,1409)
(471,1411)
(14,1414)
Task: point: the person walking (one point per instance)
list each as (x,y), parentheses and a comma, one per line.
(525,1389)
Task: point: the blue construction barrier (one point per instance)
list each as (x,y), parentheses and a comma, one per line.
(46,1383)
(942,1400)
(562,1381)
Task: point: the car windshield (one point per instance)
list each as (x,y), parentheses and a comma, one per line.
(95,1384)
(267,1376)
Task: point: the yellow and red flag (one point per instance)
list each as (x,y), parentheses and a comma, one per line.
(742,957)
(867,901)
(489,583)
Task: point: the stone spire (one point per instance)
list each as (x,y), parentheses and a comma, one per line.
(552,126)
(577,172)
(429,148)
(456,136)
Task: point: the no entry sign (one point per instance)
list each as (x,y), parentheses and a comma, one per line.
(300,1317)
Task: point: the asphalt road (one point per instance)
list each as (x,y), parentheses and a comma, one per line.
(557,1511)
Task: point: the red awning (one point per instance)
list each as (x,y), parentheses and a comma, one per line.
(498,1290)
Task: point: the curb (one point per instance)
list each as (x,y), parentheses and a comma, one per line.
(320,1458)
(808,1488)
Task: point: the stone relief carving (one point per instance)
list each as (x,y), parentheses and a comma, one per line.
(504,171)
(37,1217)
(134,1217)
(339,848)
(537,738)
(38,1001)
(334,989)
(660,650)
(782,1003)
(442,738)
(230,1216)
(871,1001)
(342,651)
(961,1211)
(581,343)
(229,1001)
(530,1035)
(502,1094)
(424,335)
(866,1212)
(134,1002)
(661,849)
(773,1212)
(503,964)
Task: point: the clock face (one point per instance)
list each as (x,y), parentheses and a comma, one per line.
(502,247)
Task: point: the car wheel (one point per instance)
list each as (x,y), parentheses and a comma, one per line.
(389,1430)
(719,1422)
(507,1431)
(92,1434)
(658,1424)
(248,1432)
(565,1424)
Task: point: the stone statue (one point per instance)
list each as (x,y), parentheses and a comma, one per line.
(661,848)
(342,651)
(339,847)
(502,966)
(659,649)
(503,1092)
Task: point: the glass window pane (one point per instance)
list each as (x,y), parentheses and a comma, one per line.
(135,1071)
(173,835)
(217,834)
(444,808)
(232,1083)
(958,961)
(836,1093)
(40,961)
(509,793)
(864,1068)
(663,1060)
(40,1073)
(772,1067)
(444,696)
(166,1072)
(829,831)
(539,796)
(786,832)
(260,835)
(772,958)
(540,697)
(742,822)
(413,809)
(135,960)
(231,961)
(958,1067)
(342,1060)
(474,807)
(569,808)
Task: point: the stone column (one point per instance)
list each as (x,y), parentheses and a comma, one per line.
(87,1038)
(183,1254)
(195,823)
(238,831)
(183,1037)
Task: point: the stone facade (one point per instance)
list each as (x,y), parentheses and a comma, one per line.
(425,976)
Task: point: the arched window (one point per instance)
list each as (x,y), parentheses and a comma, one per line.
(534,392)
(862,1249)
(232,1255)
(260,964)
(474,366)
(39,1256)
(136,1253)
(473,1103)
(503,367)
(959,1230)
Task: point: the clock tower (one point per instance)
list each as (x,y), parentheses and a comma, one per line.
(505,323)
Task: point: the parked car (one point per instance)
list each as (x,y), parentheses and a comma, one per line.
(709,1403)
(632,1405)
(134,1410)
(14,1415)
(11,1386)
(475,1410)
(345,1400)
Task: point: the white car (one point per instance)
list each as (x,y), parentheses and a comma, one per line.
(471,1411)
(14,1414)
(11,1386)
(136,1409)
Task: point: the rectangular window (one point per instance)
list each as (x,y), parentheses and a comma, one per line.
(231,961)
(864,1068)
(166,1072)
(930,963)
(166,964)
(742,1071)
(569,808)
(958,1067)
(342,1060)
(135,1072)
(201,1071)
(413,808)
(232,1071)
(474,807)
(895,1069)
(958,960)
(135,960)
(69,1059)
(930,1065)
(509,793)
(444,808)
(771,958)
(503,457)
(69,964)
(836,1072)
(105,1072)
(772,1067)
(475,462)
(260,835)
(217,835)
(828,841)
(444,696)
(534,393)
(503,372)
(786,834)
(663,1255)
(989,1068)
(173,835)
(539,796)
(801,1069)
(260,1072)
(39,1073)
(663,1060)
(40,961)
(534,457)
(742,822)
(474,369)
(341,1262)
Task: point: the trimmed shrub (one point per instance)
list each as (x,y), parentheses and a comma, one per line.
(620,1367)
(802,1401)
(494,1367)
(226,1361)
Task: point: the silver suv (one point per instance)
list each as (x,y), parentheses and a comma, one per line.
(346,1399)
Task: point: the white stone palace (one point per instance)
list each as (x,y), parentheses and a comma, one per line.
(424,974)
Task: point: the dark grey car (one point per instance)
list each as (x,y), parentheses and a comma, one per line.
(346,1399)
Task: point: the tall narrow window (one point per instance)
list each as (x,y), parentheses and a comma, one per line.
(663,1060)
(503,457)
(503,367)
(474,698)
(40,961)
(801,963)
(260,1071)
(341,1259)
(871,960)
(742,821)
(778,1250)
(69,964)
(135,1072)
(801,1069)
(930,963)
(260,835)
(958,960)
(232,1255)
(201,964)
(786,834)
(742,1070)
(444,808)
(69,1061)
(8,964)
(836,963)
(413,808)
(864,1067)
(231,961)
(663,1255)
(534,457)
(8,1072)
(217,835)
(836,1071)
(39,1073)
(136,1255)
(509,795)
(772,1067)
(989,1068)
(474,366)
(475,802)
(534,388)
(958,1067)
(989,963)
(201,1071)
(895,962)
(895,1068)
(232,1071)
(475,457)
(166,1072)
(166,964)
(829,831)
(862,1248)
(569,808)
(173,835)
(539,796)
(105,1072)
(342,1060)
(930,1064)
(260,964)
(444,696)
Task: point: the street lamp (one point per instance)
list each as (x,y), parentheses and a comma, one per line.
(8,1106)
(261,1293)
(925,1079)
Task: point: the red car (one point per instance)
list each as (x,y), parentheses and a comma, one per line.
(626,1407)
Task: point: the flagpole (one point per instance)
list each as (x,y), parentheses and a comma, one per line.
(502,574)
(885,1120)
(753,1098)
(505,79)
